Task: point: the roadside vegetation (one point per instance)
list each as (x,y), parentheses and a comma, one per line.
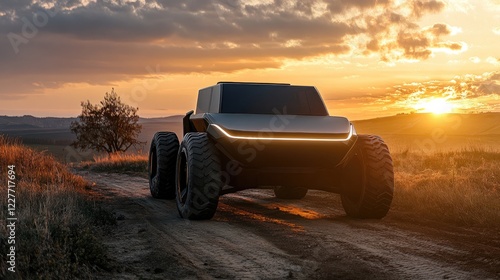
(460,187)
(59,224)
(110,126)
(134,164)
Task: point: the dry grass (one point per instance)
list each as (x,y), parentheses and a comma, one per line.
(457,187)
(56,232)
(461,187)
(118,163)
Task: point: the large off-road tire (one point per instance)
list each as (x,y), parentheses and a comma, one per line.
(290,192)
(368,182)
(161,167)
(198,179)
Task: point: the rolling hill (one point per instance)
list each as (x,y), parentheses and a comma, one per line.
(433,133)
(427,132)
(427,124)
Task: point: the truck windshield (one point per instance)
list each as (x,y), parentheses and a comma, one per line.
(271,99)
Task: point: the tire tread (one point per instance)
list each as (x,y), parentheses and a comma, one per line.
(379,180)
(204,166)
(166,145)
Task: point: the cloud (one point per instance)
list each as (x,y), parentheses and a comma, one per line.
(493,60)
(417,44)
(496,30)
(422,7)
(439,29)
(465,92)
(61,41)
(460,88)
(462,6)
(341,6)
(475,59)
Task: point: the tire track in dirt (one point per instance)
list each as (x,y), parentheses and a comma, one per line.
(256,236)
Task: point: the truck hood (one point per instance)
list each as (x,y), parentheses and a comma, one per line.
(280,126)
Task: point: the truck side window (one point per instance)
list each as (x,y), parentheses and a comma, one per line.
(204,99)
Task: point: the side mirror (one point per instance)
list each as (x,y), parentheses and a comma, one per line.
(186,123)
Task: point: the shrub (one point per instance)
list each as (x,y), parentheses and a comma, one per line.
(57,233)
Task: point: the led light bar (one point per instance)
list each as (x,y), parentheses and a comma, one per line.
(285,138)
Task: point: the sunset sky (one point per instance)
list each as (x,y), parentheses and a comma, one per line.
(368,58)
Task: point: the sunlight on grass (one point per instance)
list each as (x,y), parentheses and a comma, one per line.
(461,187)
(57,222)
(118,163)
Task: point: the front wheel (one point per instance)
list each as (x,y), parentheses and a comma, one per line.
(368,182)
(198,180)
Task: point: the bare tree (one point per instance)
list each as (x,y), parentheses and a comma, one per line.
(110,126)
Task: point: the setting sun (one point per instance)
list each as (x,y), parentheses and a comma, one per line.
(435,106)
(368,59)
(302,129)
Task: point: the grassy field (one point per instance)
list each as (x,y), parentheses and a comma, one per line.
(441,177)
(427,133)
(432,124)
(460,187)
(445,165)
(134,164)
(46,140)
(59,224)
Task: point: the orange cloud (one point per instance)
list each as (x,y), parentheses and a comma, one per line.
(466,92)
(423,7)
(104,41)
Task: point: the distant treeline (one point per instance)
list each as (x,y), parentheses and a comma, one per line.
(36,122)
(45,141)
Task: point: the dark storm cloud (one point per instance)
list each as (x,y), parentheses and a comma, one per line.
(101,41)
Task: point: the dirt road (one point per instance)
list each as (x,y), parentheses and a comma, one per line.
(256,236)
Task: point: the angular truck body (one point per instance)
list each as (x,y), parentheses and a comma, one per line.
(251,135)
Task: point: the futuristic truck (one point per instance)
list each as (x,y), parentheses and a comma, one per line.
(280,136)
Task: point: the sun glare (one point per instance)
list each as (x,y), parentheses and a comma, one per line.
(435,106)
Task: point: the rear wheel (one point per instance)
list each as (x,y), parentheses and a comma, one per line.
(368,183)
(161,167)
(198,180)
(290,192)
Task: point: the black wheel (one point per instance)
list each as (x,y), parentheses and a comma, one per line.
(368,179)
(198,180)
(290,192)
(161,168)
